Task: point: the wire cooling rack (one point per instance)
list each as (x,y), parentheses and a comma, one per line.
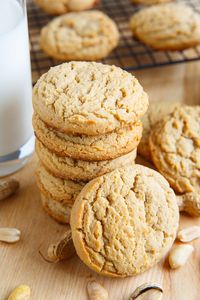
(129,55)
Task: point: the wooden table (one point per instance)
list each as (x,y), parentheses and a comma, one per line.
(21,262)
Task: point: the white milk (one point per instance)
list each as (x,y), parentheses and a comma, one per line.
(15,78)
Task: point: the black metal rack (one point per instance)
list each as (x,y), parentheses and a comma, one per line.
(129,55)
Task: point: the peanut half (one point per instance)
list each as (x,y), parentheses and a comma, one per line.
(96,291)
(9,235)
(63,249)
(189,234)
(189,203)
(179,255)
(8,187)
(147,291)
(22,292)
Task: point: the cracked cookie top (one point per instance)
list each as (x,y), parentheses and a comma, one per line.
(175,148)
(125,221)
(88,98)
(169,26)
(58,7)
(90,35)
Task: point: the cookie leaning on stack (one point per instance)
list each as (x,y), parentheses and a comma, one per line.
(86,122)
(125,221)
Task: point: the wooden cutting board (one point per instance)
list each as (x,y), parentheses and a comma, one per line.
(21,262)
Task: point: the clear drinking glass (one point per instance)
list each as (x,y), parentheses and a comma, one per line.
(16,134)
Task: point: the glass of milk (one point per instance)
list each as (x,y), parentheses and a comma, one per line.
(16,134)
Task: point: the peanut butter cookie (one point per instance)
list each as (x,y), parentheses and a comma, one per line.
(83,147)
(58,7)
(124,222)
(88,35)
(59,211)
(88,98)
(60,190)
(156,112)
(170,26)
(80,170)
(175,148)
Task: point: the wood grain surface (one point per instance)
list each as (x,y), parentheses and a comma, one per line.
(22,263)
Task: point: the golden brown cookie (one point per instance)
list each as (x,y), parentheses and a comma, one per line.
(82,36)
(88,98)
(59,211)
(58,7)
(156,112)
(60,190)
(124,222)
(80,170)
(170,26)
(83,147)
(175,148)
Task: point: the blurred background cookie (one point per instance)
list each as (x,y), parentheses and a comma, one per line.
(58,7)
(170,26)
(88,35)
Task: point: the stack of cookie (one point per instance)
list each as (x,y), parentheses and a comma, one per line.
(87,123)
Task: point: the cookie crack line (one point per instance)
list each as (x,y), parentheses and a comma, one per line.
(145,205)
(180,154)
(95,251)
(106,260)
